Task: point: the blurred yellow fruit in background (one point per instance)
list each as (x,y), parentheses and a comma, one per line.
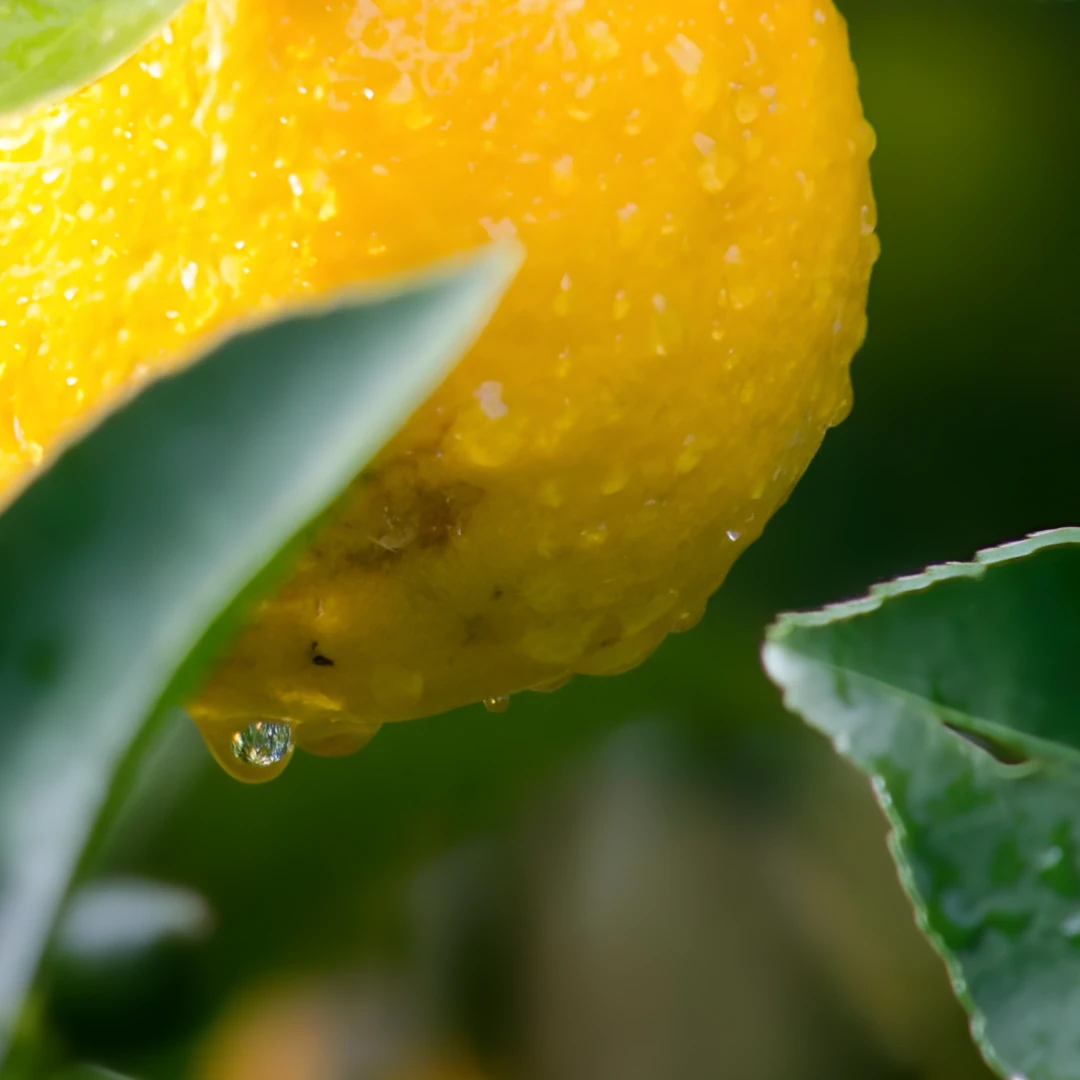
(298,1031)
(690,181)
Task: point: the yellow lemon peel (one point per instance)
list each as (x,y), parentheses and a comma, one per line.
(690,180)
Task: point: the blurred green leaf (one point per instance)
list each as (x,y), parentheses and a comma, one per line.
(86,1072)
(958,692)
(123,959)
(117,564)
(49,46)
(115,918)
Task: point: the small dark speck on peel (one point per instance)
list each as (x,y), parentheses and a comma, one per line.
(318,659)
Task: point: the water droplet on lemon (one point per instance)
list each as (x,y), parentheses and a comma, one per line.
(255,753)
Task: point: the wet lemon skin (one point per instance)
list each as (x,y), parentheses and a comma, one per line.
(690,181)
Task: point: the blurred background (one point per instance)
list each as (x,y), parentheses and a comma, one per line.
(660,876)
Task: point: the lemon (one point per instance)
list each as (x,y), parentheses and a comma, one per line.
(690,181)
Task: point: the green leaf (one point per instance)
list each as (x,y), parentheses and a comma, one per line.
(958,692)
(48,47)
(117,560)
(110,920)
(86,1072)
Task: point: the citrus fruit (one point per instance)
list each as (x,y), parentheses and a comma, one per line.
(690,181)
(363,1027)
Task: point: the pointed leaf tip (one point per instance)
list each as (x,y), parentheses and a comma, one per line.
(121,557)
(50,47)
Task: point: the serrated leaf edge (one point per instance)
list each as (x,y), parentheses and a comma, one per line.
(843,610)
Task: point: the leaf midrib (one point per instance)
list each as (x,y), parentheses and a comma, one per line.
(1044,750)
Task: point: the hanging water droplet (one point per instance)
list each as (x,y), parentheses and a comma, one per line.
(497,704)
(253,754)
(263,743)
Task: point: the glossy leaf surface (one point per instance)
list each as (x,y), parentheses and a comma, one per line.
(958,693)
(120,566)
